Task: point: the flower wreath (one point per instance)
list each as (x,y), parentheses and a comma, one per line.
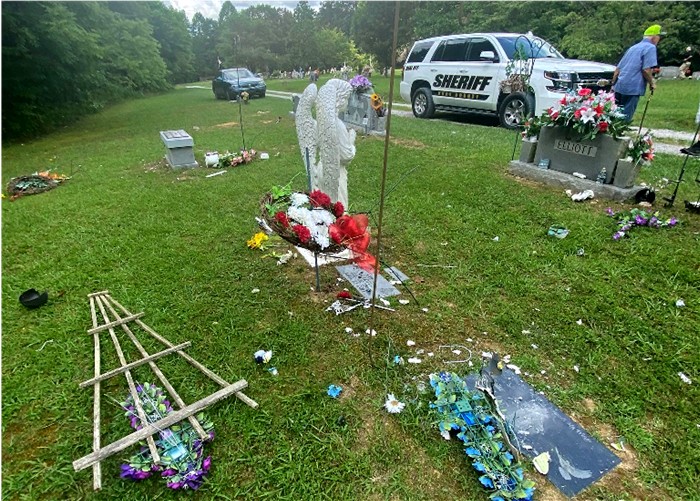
(182,461)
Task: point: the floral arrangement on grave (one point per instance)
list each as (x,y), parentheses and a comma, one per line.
(182,461)
(233,159)
(641,149)
(377,104)
(360,84)
(584,112)
(470,416)
(634,218)
(314,222)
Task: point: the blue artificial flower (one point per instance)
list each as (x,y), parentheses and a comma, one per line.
(490,429)
(398,360)
(446,377)
(497,498)
(469,418)
(472,451)
(334,391)
(508,456)
(486,481)
(479,467)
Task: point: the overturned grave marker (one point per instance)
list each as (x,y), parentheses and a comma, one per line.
(577,459)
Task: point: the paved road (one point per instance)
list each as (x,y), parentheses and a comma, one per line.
(404,110)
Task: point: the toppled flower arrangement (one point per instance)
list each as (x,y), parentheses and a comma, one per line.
(641,148)
(470,414)
(182,461)
(627,220)
(35,183)
(233,159)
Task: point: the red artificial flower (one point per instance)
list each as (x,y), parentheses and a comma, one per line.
(553,114)
(319,199)
(344,295)
(584,92)
(282,219)
(577,113)
(603,126)
(338,209)
(599,109)
(302,232)
(563,100)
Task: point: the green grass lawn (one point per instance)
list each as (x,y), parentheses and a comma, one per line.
(172,244)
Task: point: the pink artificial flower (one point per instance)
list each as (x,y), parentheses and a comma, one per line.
(584,92)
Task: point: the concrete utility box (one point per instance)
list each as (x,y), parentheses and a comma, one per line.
(179,143)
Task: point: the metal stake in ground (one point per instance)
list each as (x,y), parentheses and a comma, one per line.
(308,177)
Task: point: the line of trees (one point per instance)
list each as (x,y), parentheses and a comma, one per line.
(64,59)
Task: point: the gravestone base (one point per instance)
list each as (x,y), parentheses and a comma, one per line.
(569,182)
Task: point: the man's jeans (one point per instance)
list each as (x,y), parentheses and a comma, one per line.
(628,103)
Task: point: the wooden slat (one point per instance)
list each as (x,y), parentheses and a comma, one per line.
(150,429)
(212,375)
(119,370)
(101,293)
(97,467)
(168,387)
(116,322)
(129,380)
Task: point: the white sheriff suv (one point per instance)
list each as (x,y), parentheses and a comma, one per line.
(463,74)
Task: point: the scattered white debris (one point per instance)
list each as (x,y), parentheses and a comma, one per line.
(543,372)
(273,371)
(420,352)
(45,343)
(580,252)
(348,330)
(584,195)
(404,301)
(684,378)
(284,258)
(506,359)
(514,368)
(534,346)
(372,332)
(425,310)
(618,446)
(444,243)
(414,360)
(470,363)
(579,175)
(527,447)
(216,173)
(486,354)
(264,156)
(526,332)
(255,291)
(410,343)
(445,434)
(470,340)
(576,368)
(457,352)
(430,354)
(680,303)
(384,301)
(579,321)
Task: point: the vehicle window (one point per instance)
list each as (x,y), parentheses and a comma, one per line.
(237,73)
(530,47)
(477,46)
(419,52)
(452,50)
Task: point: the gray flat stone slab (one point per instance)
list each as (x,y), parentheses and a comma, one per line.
(363,281)
(395,274)
(577,459)
(570,182)
(176,138)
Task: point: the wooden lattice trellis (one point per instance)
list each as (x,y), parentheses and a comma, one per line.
(106,305)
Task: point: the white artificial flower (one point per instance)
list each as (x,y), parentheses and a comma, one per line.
(322,216)
(301,215)
(588,115)
(298,199)
(392,405)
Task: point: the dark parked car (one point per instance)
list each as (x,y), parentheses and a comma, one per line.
(232,81)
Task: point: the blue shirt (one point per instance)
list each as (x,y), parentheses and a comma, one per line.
(639,57)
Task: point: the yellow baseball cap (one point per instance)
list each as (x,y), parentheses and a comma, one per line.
(654,30)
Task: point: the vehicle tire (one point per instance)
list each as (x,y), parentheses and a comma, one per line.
(515,109)
(263,94)
(422,103)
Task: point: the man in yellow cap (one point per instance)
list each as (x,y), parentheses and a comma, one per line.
(633,72)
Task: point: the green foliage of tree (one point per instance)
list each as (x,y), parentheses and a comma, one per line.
(204,33)
(336,14)
(372,26)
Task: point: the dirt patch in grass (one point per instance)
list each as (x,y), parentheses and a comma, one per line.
(22,444)
(225,125)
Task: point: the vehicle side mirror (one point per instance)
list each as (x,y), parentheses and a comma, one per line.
(487,55)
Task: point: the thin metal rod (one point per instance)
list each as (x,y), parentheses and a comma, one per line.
(382,192)
(168,387)
(207,372)
(130,381)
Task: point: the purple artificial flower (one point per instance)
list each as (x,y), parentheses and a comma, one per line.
(610,211)
(174,485)
(639,220)
(206,464)
(626,227)
(654,222)
(134,474)
(673,221)
(618,235)
(168,473)
(211,435)
(360,82)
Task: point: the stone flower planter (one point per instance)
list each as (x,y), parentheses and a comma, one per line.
(567,153)
(528,149)
(626,172)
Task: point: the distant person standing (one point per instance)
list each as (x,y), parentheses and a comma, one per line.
(634,71)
